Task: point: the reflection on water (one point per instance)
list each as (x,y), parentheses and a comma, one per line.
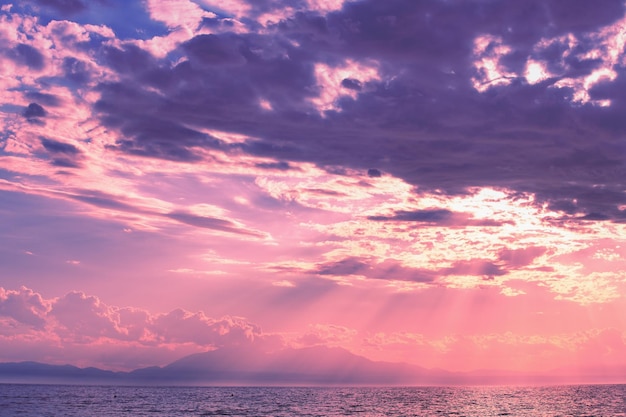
(66,400)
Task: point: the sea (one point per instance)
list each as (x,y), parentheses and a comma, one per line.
(101,401)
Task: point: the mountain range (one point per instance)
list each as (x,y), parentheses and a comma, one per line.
(308,366)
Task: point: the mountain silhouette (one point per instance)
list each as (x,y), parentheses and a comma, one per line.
(35,372)
(244,365)
(316,365)
(312,365)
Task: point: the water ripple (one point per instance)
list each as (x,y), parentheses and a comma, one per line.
(103,401)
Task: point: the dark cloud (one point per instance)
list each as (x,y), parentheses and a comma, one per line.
(507,259)
(321,191)
(56,147)
(373,173)
(436,217)
(580,15)
(348,266)
(516,258)
(215,50)
(63,155)
(63,162)
(34,111)
(422,122)
(104,200)
(595,216)
(425,216)
(479,267)
(161,139)
(64,6)
(128,60)
(213,223)
(351,84)
(27,55)
(47,99)
(76,70)
(202,91)
(280,165)
(386,270)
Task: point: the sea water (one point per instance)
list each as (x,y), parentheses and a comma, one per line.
(72,400)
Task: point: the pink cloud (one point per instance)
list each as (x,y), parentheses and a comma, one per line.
(24,306)
(601,348)
(135,322)
(182,326)
(238,8)
(69,35)
(96,333)
(327,335)
(84,318)
(177,13)
(515,258)
(507,351)
(80,322)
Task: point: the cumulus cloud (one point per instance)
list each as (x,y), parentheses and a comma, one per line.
(177,13)
(24,306)
(181,326)
(327,335)
(85,319)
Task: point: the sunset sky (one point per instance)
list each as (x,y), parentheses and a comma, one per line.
(435,182)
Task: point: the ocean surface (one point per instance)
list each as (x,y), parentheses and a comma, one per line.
(68,400)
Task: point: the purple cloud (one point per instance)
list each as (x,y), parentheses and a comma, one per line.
(438,217)
(28,56)
(386,270)
(64,6)
(424,122)
(34,111)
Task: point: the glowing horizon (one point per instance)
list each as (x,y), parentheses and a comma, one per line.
(410,182)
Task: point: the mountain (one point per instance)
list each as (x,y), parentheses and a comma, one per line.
(242,366)
(308,366)
(313,365)
(34,372)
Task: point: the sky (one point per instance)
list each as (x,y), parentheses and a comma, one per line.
(434,182)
